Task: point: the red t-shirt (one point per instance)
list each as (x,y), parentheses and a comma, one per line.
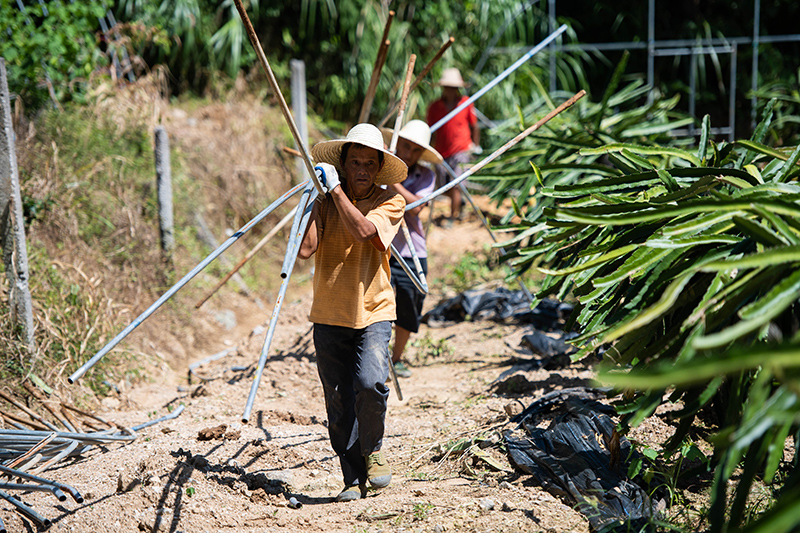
(455,135)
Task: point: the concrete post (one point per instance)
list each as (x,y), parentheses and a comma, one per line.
(12,225)
(300,110)
(164,186)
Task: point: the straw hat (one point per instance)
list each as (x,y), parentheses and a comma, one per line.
(451,77)
(393,170)
(419,133)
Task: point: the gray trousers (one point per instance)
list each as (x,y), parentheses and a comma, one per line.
(353,369)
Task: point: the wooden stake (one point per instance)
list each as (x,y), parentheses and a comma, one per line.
(419,77)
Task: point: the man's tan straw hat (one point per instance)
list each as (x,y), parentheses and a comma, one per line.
(419,133)
(393,170)
(451,77)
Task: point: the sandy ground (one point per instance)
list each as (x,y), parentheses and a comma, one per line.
(244,476)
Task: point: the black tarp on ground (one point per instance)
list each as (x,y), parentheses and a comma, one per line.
(500,305)
(580,459)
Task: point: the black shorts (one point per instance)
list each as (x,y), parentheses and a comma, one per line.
(409,299)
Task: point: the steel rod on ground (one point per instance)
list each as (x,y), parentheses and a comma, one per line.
(251,34)
(305,207)
(380,59)
(500,151)
(533,51)
(25,510)
(419,77)
(249,255)
(183,281)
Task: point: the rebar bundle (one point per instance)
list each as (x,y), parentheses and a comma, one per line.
(36,445)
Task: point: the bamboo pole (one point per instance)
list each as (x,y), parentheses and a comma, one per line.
(420,76)
(500,151)
(249,255)
(287,114)
(366,106)
(398,123)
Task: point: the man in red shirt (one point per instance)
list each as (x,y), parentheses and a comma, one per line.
(457,138)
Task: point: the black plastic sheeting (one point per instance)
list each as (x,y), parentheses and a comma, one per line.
(579,458)
(501,305)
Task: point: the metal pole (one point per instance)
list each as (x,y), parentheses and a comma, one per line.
(732,95)
(164,186)
(183,281)
(754,79)
(249,255)
(300,108)
(414,256)
(12,224)
(306,207)
(500,151)
(692,89)
(294,240)
(651,47)
(417,283)
(551,14)
(251,34)
(533,51)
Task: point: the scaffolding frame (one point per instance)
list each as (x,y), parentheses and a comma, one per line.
(694,48)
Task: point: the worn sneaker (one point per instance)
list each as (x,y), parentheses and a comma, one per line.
(350,493)
(379,474)
(401,370)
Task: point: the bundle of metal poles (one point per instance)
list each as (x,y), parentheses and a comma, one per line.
(26,452)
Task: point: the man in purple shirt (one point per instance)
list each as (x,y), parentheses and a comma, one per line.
(413,146)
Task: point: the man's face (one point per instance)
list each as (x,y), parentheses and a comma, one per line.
(409,152)
(361,168)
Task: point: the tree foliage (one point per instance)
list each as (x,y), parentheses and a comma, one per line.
(51,46)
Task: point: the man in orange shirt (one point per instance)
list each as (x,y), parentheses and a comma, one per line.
(349,233)
(456,139)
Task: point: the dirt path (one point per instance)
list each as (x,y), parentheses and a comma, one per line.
(169,480)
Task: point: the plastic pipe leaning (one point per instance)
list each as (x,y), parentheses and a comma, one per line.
(503,75)
(183,281)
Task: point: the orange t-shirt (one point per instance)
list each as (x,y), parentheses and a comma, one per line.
(351,278)
(455,135)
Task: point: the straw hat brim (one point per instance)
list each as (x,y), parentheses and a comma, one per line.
(430,155)
(393,170)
